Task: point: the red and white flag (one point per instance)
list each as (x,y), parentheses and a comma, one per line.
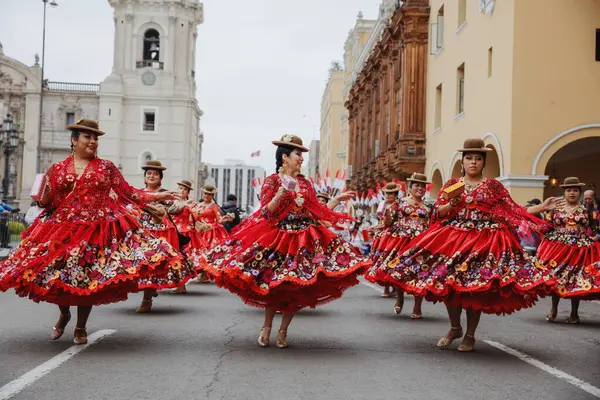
(255,154)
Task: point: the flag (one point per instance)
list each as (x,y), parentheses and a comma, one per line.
(255,154)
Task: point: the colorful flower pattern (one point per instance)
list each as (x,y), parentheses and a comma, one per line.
(286,261)
(572,255)
(472,258)
(87,249)
(407,221)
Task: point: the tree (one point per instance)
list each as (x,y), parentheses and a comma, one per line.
(335,67)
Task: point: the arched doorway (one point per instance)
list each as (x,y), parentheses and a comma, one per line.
(457,169)
(492,163)
(578,158)
(437,181)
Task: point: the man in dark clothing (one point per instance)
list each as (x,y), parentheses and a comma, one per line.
(230,207)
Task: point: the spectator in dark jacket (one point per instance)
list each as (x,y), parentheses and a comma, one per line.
(230,207)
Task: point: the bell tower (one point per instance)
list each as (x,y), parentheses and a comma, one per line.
(148,105)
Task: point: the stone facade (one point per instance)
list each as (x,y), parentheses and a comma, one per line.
(386,102)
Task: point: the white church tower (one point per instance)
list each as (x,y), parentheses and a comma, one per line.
(148,105)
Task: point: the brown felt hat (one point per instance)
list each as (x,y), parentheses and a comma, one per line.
(290,141)
(186,184)
(153,164)
(417,177)
(474,146)
(391,187)
(572,182)
(324,195)
(210,189)
(86,125)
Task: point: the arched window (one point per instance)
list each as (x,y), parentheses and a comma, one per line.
(151,45)
(148,157)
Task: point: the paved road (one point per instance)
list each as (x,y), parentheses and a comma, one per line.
(203,346)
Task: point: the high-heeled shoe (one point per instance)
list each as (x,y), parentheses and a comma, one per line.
(80,336)
(551,316)
(282,338)
(466,348)
(398,307)
(263,337)
(573,320)
(145,307)
(56,333)
(446,341)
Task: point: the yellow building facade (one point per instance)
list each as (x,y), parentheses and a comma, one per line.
(332,147)
(525,77)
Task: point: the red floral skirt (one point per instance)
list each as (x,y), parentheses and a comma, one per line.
(285,270)
(388,248)
(575,268)
(178,274)
(82,263)
(202,242)
(478,268)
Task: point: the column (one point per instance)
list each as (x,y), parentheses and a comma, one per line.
(128,44)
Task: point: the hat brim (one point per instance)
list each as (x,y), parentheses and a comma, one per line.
(147,167)
(391,190)
(82,128)
(324,196)
(290,144)
(475,150)
(209,191)
(185,185)
(418,181)
(577,185)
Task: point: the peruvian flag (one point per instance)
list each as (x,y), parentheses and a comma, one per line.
(255,154)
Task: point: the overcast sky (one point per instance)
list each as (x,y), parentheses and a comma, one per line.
(261,68)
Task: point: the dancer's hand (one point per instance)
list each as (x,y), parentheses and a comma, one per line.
(169,195)
(553,203)
(346,196)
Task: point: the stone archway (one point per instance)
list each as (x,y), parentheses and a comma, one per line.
(559,141)
(578,158)
(492,163)
(456,169)
(438,182)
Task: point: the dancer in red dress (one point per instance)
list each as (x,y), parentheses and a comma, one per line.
(155,219)
(570,250)
(404,220)
(181,211)
(86,249)
(209,226)
(391,191)
(282,258)
(471,257)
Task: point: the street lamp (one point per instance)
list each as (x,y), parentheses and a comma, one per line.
(9,139)
(38,168)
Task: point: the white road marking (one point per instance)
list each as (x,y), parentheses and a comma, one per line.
(11,388)
(528,359)
(593,390)
(596,301)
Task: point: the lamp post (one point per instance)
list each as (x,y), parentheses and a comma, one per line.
(38,166)
(9,140)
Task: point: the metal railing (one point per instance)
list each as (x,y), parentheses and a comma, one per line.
(149,63)
(73,87)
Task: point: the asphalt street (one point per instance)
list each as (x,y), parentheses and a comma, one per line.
(203,346)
